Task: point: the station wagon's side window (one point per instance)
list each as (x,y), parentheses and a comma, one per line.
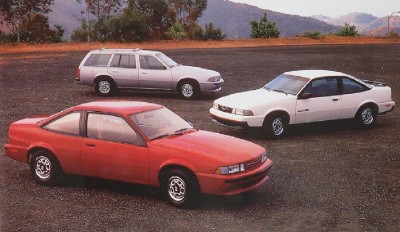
(323,87)
(68,124)
(351,86)
(98,60)
(150,62)
(111,128)
(123,61)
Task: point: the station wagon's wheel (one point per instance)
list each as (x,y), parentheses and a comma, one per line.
(105,87)
(275,126)
(366,116)
(189,89)
(179,187)
(44,168)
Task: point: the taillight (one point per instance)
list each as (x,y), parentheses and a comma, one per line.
(78,74)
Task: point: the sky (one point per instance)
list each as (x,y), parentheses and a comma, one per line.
(330,8)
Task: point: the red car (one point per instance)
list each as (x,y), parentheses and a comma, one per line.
(137,142)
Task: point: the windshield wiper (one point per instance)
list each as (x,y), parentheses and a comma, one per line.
(267,88)
(280,91)
(160,136)
(180,131)
(177,132)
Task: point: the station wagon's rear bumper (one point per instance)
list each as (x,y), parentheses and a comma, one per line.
(236,183)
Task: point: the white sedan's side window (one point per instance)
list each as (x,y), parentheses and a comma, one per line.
(111,128)
(323,87)
(350,86)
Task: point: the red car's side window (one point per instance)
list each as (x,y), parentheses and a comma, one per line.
(68,124)
(111,128)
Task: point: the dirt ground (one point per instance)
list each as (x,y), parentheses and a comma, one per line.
(326,176)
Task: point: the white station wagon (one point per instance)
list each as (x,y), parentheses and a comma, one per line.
(112,69)
(301,97)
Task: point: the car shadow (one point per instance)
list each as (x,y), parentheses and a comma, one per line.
(154,194)
(347,126)
(154,94)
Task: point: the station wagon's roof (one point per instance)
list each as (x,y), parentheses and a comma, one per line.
(315,73)
(127,50)
(118,106)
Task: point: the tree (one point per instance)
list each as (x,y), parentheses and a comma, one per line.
(264,28)
(348,30)
(103,8)
(188,11)
(16,11)
(129,26)
(157,13)
(37,29)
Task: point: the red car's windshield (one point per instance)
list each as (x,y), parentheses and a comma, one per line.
(159,123)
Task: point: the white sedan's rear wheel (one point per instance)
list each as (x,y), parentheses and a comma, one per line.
(366,116)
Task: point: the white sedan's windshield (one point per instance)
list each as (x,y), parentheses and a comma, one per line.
(159,123)
(168,61)
(287,84)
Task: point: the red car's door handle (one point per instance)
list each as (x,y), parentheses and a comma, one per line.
(90,145)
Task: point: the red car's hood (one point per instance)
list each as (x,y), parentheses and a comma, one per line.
(222,148)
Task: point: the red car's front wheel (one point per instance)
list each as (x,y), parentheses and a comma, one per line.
(180,187)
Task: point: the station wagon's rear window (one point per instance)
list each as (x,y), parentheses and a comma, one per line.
(98,60)
(123,61)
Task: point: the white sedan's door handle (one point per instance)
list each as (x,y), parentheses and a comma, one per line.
(144,72)
(335,99)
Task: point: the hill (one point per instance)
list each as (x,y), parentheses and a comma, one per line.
(367,24)
(234,20)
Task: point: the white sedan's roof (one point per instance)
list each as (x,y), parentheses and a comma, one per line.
(315,73)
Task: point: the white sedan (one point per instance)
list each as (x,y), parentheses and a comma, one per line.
(304,96)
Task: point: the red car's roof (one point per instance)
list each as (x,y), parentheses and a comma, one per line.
(118,106)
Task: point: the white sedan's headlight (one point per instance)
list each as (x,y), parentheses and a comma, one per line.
(243,112)
(214,79)
(230,169)
(215,106)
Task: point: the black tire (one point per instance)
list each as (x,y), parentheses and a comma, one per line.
(179,187)
(105,87)
(189,89)
(275,126)
(366,116)
(44,168)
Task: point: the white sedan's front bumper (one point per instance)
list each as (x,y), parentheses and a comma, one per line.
(236,121)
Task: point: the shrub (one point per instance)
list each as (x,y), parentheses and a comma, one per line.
(211,33)
(264,28)
(176,32)
(312,34)
(348,30)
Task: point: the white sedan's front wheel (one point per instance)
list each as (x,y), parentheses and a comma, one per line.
(275,126)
